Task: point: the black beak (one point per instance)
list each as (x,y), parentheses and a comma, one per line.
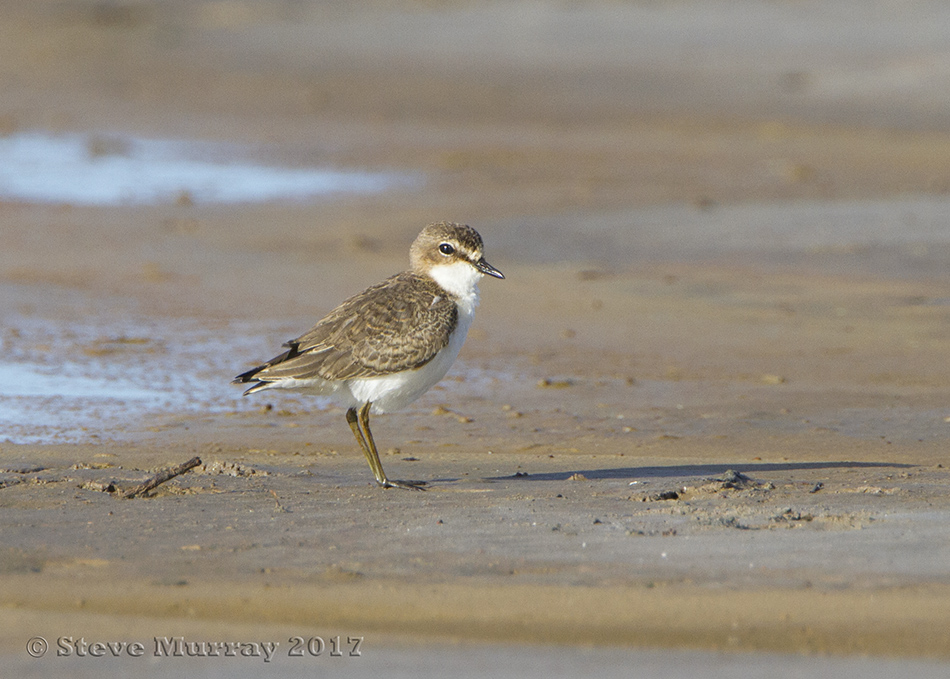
(487,268)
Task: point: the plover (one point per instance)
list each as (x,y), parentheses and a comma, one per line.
(383,348)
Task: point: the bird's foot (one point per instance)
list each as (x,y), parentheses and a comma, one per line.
(408,485)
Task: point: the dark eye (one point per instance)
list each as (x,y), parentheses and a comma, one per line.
(446,249)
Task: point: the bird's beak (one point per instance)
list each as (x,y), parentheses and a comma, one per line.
(487,268)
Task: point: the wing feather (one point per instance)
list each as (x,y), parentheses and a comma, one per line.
(399,324)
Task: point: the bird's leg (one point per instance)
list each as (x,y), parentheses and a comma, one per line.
(351,419)
(369,450)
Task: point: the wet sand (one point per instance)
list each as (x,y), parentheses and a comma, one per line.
(706,412)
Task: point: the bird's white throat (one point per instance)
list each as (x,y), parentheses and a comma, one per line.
(460,279)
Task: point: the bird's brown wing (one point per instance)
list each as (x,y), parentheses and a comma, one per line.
(399,324)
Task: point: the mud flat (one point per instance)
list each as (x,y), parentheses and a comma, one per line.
(703,422)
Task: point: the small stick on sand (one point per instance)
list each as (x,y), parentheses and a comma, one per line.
(279,507)
(161,477)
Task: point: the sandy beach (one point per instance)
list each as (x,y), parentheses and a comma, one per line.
(702,423)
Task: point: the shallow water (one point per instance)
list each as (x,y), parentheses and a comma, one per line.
(103,378)
(117,373)
(112,169)
(25,380)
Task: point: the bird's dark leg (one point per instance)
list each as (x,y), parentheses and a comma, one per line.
(359,423)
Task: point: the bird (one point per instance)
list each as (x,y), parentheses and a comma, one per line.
(383,348)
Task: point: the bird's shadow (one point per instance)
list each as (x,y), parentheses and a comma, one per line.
(675,471)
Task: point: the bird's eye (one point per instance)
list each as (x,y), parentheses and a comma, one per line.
(446,249)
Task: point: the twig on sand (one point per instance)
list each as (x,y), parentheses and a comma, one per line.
(161,477)
(279,506)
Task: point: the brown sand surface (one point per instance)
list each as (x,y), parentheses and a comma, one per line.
(707,409)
